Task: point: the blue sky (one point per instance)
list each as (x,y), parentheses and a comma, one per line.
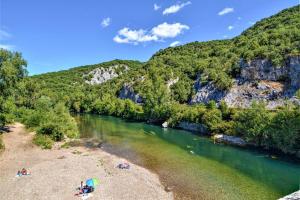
(58,34)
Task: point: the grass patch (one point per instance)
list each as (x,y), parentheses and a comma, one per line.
(44,141)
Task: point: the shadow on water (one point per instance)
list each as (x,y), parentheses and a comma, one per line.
(194,164)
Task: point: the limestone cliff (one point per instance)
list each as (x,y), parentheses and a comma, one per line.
(259,81)
(103,74)
(127,92)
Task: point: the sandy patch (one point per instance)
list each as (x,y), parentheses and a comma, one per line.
(55,174)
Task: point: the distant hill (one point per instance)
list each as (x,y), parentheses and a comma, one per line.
(262,63)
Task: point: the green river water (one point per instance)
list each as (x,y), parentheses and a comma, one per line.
(194,166)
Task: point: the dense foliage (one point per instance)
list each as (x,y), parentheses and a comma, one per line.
(20,100)
(272,130)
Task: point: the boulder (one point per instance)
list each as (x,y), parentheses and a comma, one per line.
(220,138)
(194,127)
(165,125)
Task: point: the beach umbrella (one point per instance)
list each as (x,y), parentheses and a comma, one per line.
(92,182)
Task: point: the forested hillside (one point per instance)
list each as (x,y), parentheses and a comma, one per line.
(167,82)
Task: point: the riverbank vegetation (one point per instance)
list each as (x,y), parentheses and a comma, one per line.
(43,102)
(20,100)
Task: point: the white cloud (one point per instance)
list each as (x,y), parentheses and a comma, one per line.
(175,8)
(126,35)
(166,30)
(157,33)
(173,44)
(225,11)
(105,22)
(4,35)
(156,7)
(7,47)
(230,27)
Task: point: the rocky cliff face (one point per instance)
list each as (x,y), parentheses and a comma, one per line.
(294,71)
(205,93)
(101,75)
(261,69)
(259,81)
(127,92)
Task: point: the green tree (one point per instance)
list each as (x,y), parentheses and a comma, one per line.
(285,130)
(252,123)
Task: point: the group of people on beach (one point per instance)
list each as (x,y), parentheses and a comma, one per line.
(23,172)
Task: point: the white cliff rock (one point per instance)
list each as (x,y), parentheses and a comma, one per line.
(103,74)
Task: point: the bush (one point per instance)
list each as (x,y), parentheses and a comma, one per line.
(52,130)
(43,141)
(211,119)
(285,130)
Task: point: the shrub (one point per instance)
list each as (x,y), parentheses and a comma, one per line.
(52,130)
(252,123)
(212,118)
(285,130)
(43,141)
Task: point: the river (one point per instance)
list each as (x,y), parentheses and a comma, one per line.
(194,167)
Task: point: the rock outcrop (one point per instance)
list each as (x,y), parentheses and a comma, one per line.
(259,81)
(165,125)
(242,95)
(261,69)
(220,138)
(103,74)
(172,82)
(194,127)
(294,71)
(127,92)
(293,196)
(206,93)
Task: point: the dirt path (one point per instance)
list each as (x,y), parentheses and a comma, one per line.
(56,173)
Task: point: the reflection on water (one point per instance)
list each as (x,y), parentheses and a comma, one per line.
(196,167)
